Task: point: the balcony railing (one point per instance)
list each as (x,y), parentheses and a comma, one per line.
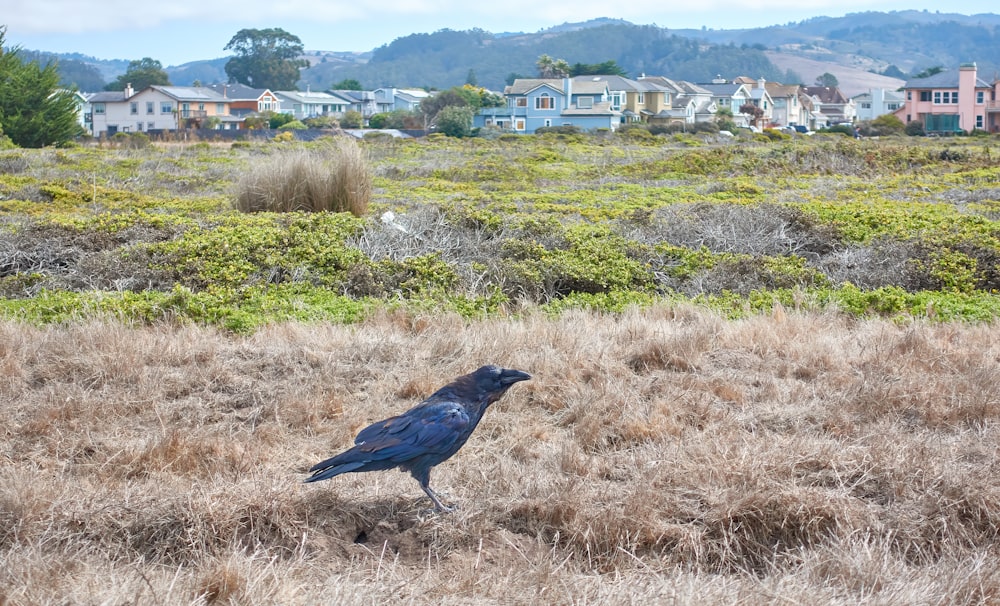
(993,106)
(193,113)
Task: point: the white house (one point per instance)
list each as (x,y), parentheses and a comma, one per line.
(877,102)
(157,108)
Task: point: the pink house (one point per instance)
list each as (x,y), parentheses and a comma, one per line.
(952,101)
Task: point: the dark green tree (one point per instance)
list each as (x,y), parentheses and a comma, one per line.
(930,71)
(607,68)
(827,79)
(265,58)
(140,74)
(347,84)
(470,78)
(34,111)
(455,121)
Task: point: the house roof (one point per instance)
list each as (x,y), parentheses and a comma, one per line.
(826,94)
(238,92)
(199,94)
(523,86)
(723,90)
(946,79)
(777,90)
(109,96)
(307,97)
(602,108)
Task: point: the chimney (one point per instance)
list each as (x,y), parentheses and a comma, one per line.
(128,90)
(718,79)
(568,89)
(760,82)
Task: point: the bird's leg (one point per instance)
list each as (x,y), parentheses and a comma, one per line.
(437,502)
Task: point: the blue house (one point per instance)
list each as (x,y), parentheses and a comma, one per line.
(534,103)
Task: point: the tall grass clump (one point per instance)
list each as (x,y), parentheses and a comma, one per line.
(335,178)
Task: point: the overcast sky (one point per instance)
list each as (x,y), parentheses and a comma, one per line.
(178,32)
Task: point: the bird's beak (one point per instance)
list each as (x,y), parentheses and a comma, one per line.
(510,376)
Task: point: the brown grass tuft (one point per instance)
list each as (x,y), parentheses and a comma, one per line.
(337,178)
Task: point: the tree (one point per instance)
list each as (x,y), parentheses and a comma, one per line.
(552,68)
(455,121)
(140,74)
(888,124)
(347,84)
(34,111)
(607,68)
(827,79)
(930,71)
(352,119)
(265,58)
(753,111)
(470,78)
(724,119)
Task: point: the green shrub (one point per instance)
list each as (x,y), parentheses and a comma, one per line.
(337,178)
(352,119)
(293,125)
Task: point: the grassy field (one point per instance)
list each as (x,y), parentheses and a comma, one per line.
(763,373)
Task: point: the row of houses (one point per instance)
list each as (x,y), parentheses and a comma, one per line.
(165,108)
(950,101)
(605,102)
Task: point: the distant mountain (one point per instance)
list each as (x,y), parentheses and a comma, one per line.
(894,43)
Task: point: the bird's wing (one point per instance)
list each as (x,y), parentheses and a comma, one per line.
(428,428)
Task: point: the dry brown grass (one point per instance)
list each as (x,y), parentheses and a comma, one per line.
(335,177)
(665,456)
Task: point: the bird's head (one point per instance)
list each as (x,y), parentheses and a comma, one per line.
(488,383)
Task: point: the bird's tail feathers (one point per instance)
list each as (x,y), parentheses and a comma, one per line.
(324,471)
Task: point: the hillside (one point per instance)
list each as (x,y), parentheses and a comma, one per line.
(859,42)
(853,80)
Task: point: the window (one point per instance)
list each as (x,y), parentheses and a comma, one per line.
(150,107)
(138,127)
(925,95)
(937,97)
(521,102)
(585,102)
(220,109)
(519,124)
(98,108)
(893,106)
(544,102)
(640,97)
(980,97)
(150,125)
(866,105)
(133,107)
(979,122)
(909,95)
(954,96)
(166,107)
(548,122)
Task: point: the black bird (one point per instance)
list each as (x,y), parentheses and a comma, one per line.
(428,433)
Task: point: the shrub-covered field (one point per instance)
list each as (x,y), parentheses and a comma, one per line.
(764,372)
(890,227)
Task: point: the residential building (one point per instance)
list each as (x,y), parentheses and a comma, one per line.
(952,101)
(361,101)
(311,104)
(389,99)
(533,103)
(245,100)
(158,108)
(877,102)
(761,97)
(832,105)
(731,96)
